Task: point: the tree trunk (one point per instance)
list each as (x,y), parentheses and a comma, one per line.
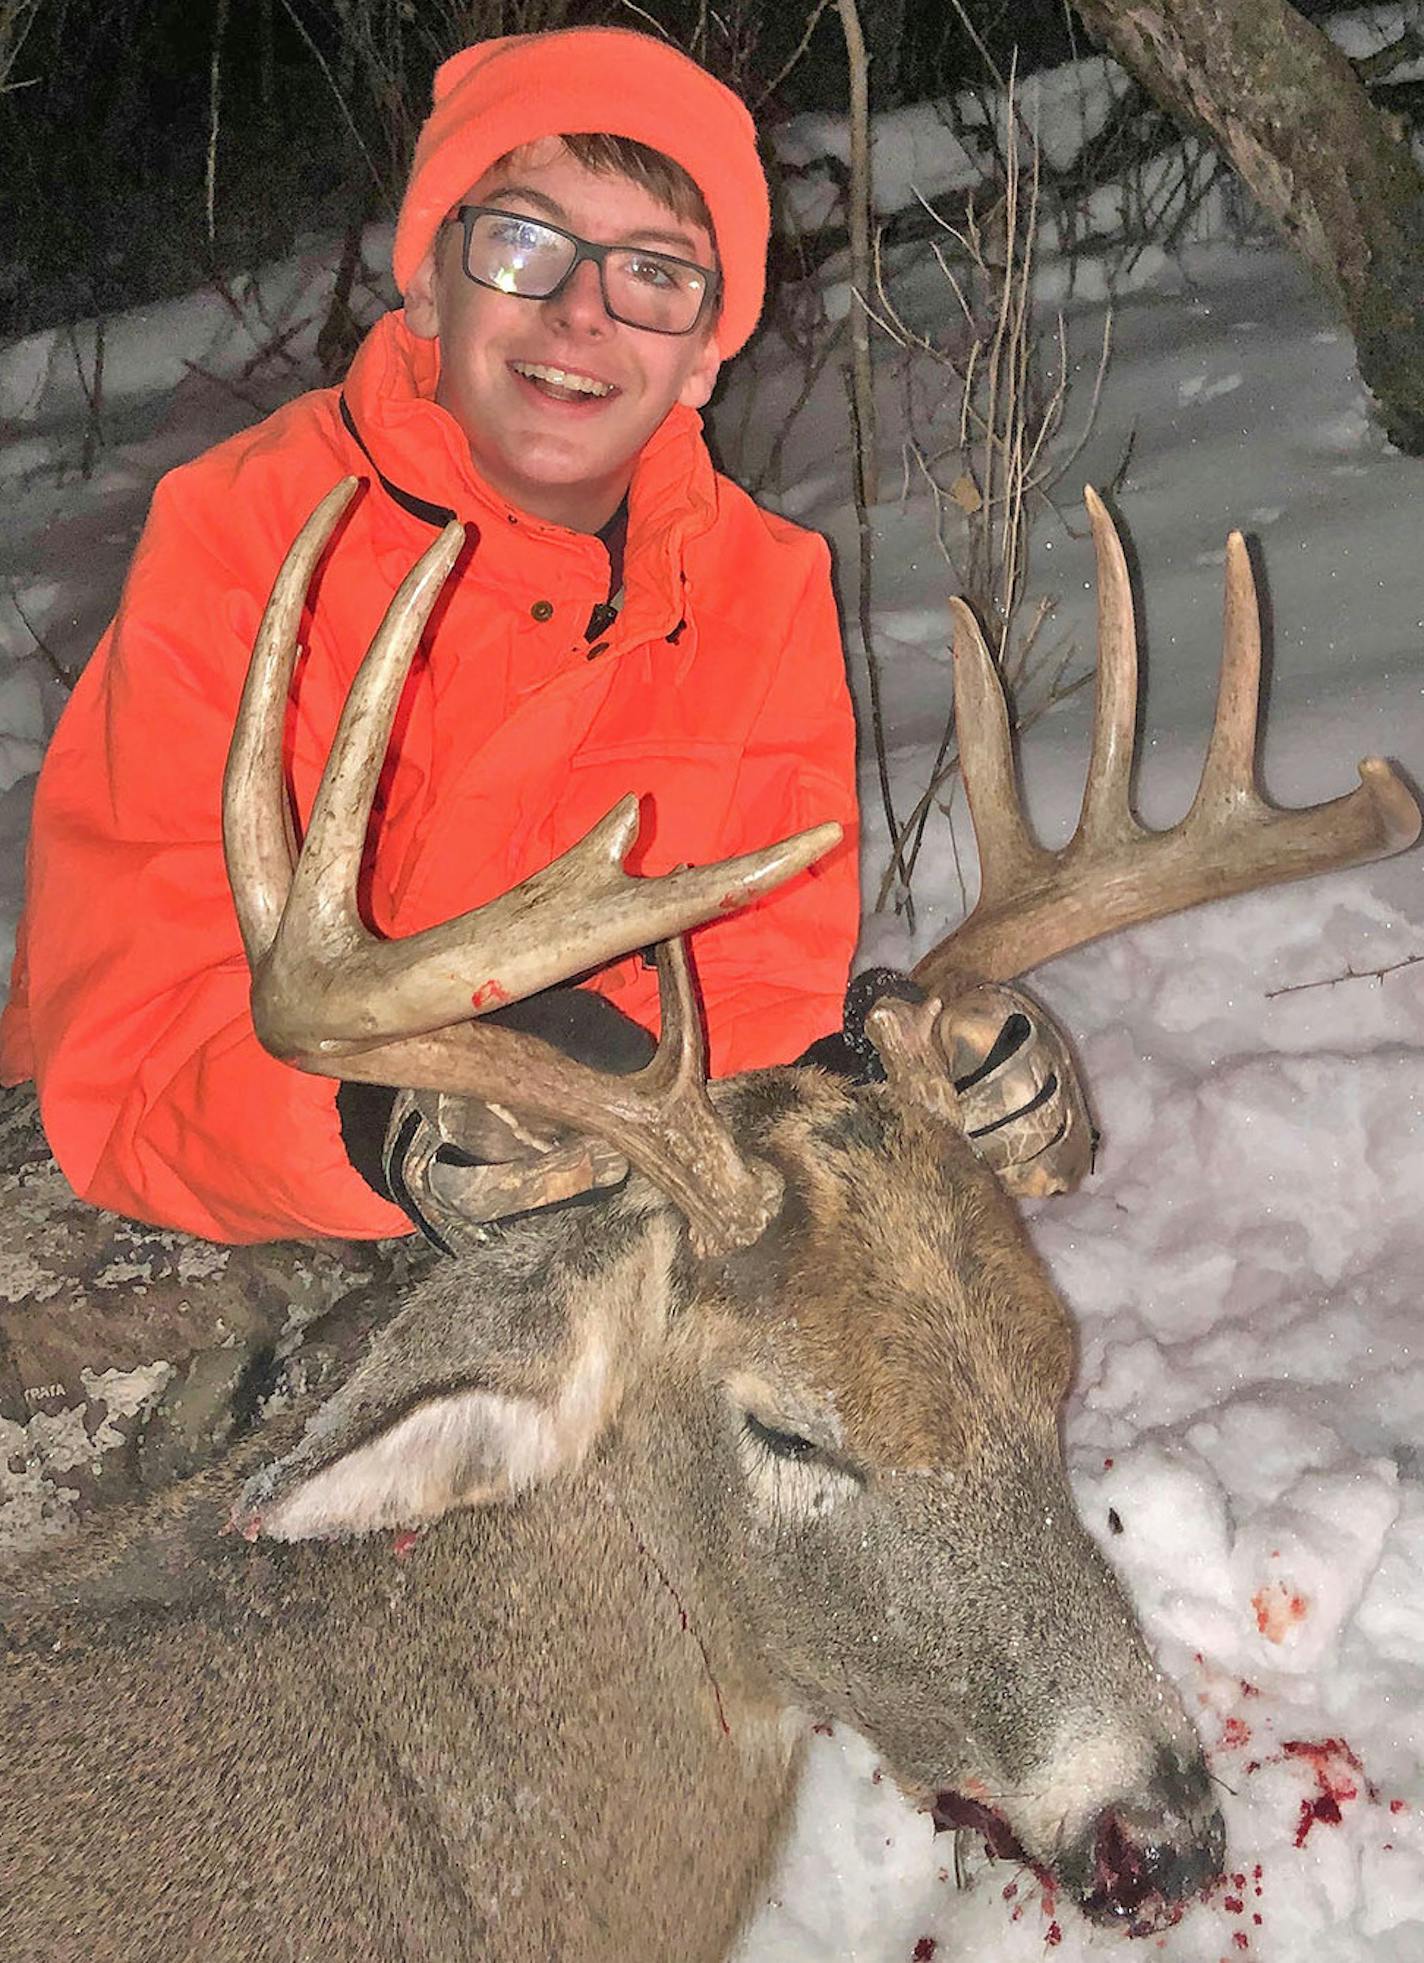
(1288,110)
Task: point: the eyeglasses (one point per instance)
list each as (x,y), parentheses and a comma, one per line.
(532,260)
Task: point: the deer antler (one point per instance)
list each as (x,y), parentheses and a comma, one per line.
(322,983)
(331,998)
(1112,873)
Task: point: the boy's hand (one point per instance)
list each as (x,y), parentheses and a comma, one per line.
(459,1166)
(1019,1099)
(1023,1107)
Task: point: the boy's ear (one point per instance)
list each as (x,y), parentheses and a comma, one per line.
(422,309)
(701,378)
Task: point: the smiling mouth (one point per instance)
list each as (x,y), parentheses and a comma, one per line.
(561,386)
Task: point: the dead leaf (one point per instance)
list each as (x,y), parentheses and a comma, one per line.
(965,493)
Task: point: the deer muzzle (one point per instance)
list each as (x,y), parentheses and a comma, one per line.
(1136,1859)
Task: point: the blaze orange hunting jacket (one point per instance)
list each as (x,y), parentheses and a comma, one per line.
(718,693)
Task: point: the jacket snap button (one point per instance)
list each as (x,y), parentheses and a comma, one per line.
(542,610)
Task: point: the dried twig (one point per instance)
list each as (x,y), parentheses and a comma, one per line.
(769,475)
(42,647)
(376,58)
(867,466)
(93,387)
(650,21)
(17,17)
(983,410)
(864,566)
(1348,975)
(861,385)
(210,167)
(813,21)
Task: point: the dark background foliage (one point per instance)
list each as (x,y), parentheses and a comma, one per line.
(147,146)
(111,109)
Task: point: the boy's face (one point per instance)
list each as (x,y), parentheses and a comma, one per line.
(558,455)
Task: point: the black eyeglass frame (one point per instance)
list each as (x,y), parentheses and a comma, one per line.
(465,215)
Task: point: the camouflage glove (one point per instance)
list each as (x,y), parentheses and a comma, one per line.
(457,1166)
(1019,1097)
(1023,1107)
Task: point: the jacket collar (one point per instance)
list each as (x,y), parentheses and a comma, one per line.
(423,466)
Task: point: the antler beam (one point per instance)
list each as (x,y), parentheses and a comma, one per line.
(661,1118)
(1113,872)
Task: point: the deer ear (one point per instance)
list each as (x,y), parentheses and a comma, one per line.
(459,1403)
(456,1450)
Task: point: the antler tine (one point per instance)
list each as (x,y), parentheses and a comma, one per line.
(1010,858)
(1229,773)
(668,1126)
(1106,816)
(322,983)
(256,818)
(1113,873)
(322,898)
(1379,817)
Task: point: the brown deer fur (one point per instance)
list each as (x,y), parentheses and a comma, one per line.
(566,1721)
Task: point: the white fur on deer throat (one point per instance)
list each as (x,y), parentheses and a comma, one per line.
(584,384)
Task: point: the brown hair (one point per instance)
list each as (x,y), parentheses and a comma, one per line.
(620,156)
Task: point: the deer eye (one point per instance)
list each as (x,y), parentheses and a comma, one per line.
(781,1444)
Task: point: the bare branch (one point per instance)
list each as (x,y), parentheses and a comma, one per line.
(861,257)
(1350,974)
(794,59)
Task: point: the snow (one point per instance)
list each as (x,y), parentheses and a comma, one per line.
(1246,1434)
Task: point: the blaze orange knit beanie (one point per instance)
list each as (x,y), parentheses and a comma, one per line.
(497,95)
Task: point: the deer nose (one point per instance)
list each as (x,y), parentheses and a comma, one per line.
(1153,1850)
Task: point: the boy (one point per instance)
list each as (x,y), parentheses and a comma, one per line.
(622,619)
(581,245)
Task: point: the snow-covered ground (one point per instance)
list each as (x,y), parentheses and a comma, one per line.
(1247,1430)
(1246,1265)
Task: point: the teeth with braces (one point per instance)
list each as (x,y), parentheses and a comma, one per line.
(583,384)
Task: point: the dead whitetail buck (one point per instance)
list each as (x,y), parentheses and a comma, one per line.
(770,1435)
